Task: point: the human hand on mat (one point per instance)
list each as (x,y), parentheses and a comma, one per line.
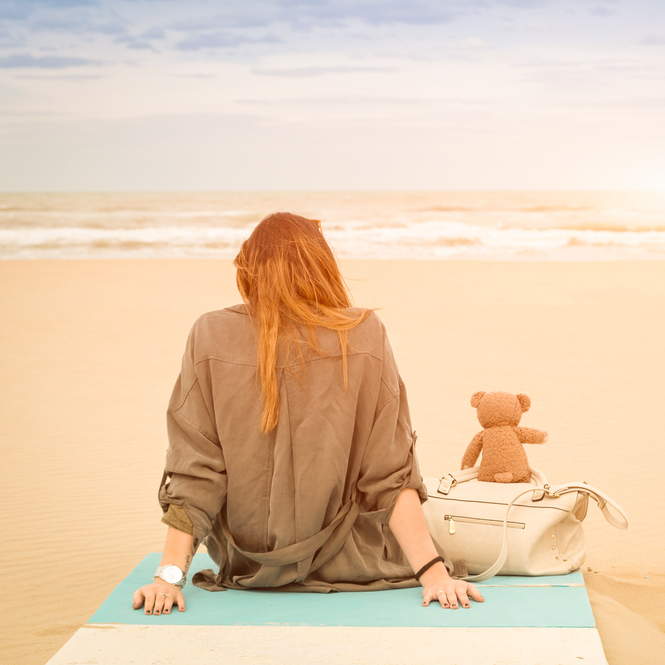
(438,585)
(159,597)
(408,525)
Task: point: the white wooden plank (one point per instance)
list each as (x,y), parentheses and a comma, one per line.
(115,644)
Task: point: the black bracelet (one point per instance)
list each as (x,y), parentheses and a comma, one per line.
(427,566)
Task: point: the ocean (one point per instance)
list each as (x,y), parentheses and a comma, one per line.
(496,226)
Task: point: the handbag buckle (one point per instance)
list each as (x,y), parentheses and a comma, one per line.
(446,483)
(539,495)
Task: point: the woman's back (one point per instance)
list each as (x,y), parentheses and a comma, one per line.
(335,451)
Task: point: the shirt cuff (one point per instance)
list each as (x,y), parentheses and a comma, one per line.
(176,517)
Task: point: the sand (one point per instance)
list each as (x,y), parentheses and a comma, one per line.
(91,350)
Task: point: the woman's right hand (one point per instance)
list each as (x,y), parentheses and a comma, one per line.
(159,597)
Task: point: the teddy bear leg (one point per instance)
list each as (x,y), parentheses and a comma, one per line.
(506,477)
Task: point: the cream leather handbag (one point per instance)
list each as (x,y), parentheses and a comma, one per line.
(513,528)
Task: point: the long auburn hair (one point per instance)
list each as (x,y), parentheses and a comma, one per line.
(289,278)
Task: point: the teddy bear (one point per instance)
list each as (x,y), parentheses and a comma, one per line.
(504,458)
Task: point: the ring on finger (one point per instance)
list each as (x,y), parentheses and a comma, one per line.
(166,595)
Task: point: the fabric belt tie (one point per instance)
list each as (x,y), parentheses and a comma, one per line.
(334,535)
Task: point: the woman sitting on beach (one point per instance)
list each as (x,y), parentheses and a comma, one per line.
(291,452)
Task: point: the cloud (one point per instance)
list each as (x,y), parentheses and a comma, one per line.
(196,76)
(202,25)
(22,60)
(416,12)
(601,10)
(241,14)
(195,42)
(77,25)
(55,4)
(18,10)
(235,17)
(550,64)
(334,100)
(59,77)
(85,24)
(8,40)
(653,40)
(132,42)
(305,13)
(319,71)
(33,114)
(630,70)
(153,33)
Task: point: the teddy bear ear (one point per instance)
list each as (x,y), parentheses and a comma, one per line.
(475,399)
(525,402)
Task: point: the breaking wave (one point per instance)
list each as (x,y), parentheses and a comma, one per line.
(393,225)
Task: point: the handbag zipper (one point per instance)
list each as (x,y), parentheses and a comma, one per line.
(477,520)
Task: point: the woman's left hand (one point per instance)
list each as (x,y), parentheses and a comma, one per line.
(438,585)
(159,597)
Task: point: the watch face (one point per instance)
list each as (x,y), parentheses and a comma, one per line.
(171,574)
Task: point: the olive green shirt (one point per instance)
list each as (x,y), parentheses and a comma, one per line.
(307,505)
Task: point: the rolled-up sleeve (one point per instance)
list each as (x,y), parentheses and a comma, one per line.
(389,464)
(176,517)
(195,473)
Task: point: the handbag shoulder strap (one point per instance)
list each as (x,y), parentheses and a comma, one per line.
(603,501)
(501,559)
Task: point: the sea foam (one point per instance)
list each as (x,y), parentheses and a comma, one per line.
(421,226)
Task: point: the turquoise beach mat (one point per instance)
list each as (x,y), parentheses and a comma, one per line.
(552,602)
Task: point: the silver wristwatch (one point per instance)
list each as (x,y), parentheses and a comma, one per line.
(172,574)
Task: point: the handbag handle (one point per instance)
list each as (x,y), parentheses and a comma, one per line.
(447,482)
(603,501)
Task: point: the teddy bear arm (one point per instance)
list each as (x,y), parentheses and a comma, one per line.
(530,435)
(472,451)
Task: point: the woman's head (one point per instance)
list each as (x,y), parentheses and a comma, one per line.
(289,278)
(287,262)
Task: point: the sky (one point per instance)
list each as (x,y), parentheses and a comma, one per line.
(153,95)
